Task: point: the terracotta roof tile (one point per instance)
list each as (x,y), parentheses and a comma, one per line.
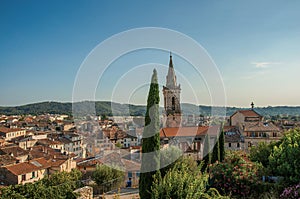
(8,130)
(188,131)
(260,126)
(16,151)
(22,168)
(249,113)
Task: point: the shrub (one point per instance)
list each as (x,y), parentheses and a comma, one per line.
(236,175)
(292,192)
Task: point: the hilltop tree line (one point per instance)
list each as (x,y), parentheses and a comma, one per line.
(105,108)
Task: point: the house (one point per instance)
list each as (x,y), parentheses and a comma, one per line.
(73,143)
(255,132)
(15,151)
(242,116)
(130,140)
(24,172)
(253,129)
(52,143)
(233,139)
(10,133)
(60,165)
(189,139)
(24,142)
(89,164)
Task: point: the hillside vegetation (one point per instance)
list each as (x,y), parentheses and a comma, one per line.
(117,109)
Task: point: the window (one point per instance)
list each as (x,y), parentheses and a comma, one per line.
(229,144)
(173,103)
(33,174)
(129,174)
(238,145)
(23,177)
(138,174)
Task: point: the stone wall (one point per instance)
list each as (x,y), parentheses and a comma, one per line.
(85,192)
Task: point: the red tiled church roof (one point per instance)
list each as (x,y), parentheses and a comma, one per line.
(189,131)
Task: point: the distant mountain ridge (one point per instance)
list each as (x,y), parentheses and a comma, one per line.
(104,108)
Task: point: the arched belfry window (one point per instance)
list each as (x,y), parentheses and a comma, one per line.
(173,103)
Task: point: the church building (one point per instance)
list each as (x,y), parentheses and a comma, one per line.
(171,92)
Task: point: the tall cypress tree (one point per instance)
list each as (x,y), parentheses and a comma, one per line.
(151,140)
(216,152)
(206,151)
(221,145)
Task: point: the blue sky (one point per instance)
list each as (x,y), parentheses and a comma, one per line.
(255,44)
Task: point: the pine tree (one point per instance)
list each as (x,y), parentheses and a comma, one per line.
(206,151)
(216,152)
(151,140)
(221,146)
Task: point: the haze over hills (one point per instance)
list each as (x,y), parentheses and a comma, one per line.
(105,107)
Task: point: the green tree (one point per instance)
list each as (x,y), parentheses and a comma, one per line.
(206,151)
(222,146)
(261,153)
(59,185)
(284,159)
(151,140)
(106,174)
(216,152)
(168,158)
(183,180)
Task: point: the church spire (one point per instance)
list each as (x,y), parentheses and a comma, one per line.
(171,62)
(171,77)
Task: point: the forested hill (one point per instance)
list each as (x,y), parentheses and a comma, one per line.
(104,107)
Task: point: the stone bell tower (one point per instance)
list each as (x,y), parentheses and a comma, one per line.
(171,92)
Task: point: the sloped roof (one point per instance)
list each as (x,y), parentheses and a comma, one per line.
(7,160)
(8,130)
(22,168)
(189,131)
(248,113)
(260,126)
(16,151)
(131,165)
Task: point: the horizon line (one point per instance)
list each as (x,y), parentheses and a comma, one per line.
(122,103)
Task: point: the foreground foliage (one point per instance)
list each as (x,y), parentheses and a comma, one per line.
(235,176)
(284,158)
(58,185)
(183,180)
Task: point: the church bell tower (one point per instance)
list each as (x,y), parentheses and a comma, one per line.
(171,92)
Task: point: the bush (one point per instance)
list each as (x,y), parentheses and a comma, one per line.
(292,192)
(183,180)
(284,158)
(59,185)
(107,176)
(235,175)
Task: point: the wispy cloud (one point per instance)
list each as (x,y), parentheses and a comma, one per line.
(264,64)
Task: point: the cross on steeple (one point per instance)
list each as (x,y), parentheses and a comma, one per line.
(252,105)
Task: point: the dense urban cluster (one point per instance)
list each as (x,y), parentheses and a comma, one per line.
(241,155)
